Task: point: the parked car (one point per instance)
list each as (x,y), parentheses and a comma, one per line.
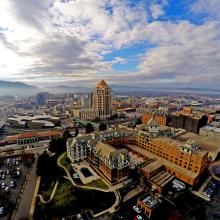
(79,217)
(139,217)
(136,209)
(3,185)
(12,184)
(7,188)
(1,210)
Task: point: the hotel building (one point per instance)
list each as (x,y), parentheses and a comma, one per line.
(98,149)
(185,160)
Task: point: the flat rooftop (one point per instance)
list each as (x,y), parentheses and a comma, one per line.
(154,165)
(206,143)
(160,161)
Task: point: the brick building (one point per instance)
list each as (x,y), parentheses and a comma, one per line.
(161,118)
(185,160)
(188,121)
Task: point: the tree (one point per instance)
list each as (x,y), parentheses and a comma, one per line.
(58,145)
(76,131)
(102,127)
(113,116)
(89,128)
(138,121)
(66,134)
(97,119)
(44,165)
(1,161)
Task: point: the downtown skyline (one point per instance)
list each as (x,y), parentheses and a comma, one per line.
(141,43)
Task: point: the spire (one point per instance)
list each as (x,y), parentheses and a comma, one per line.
(102,84)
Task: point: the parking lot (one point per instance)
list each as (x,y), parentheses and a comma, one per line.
(12,176)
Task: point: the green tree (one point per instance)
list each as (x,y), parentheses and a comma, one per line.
(66,134)
(138,121)
(44,165)
(76,131)
(1,161)
(114,116)
(89,128)
(58,145)
(102,127)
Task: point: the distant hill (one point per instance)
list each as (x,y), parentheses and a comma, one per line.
(17,88)
(68,89)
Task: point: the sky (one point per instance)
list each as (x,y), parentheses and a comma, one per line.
(147,43)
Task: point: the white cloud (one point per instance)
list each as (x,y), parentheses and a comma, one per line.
(156,11)
(210,8)
(67,40)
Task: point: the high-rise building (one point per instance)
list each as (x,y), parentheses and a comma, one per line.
(188,120)
(41,98)
(102,99)
(101,102)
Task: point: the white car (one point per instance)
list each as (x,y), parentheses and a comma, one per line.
(12,184)
(136,209)
(139,217)
(7,188)
(1,210)
(3,185)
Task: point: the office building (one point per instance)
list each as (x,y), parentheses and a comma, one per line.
(188,120)
(41,98)
(102,99)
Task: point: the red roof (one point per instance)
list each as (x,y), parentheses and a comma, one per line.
(27,135)
(32,134)
(48,133)
(11,138)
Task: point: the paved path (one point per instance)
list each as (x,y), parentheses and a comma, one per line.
(112,209)
(26,197)
(51,196)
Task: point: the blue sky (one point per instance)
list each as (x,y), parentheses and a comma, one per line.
(142,42)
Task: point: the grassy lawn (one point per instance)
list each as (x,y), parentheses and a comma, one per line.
(98,184)
(70,200)
(46,187)
(65,161)
(46,194)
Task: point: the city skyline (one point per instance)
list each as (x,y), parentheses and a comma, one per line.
(144,43)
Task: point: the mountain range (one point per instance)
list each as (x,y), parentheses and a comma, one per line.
(23,89)
(17,88)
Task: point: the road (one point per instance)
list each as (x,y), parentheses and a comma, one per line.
(26,198)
